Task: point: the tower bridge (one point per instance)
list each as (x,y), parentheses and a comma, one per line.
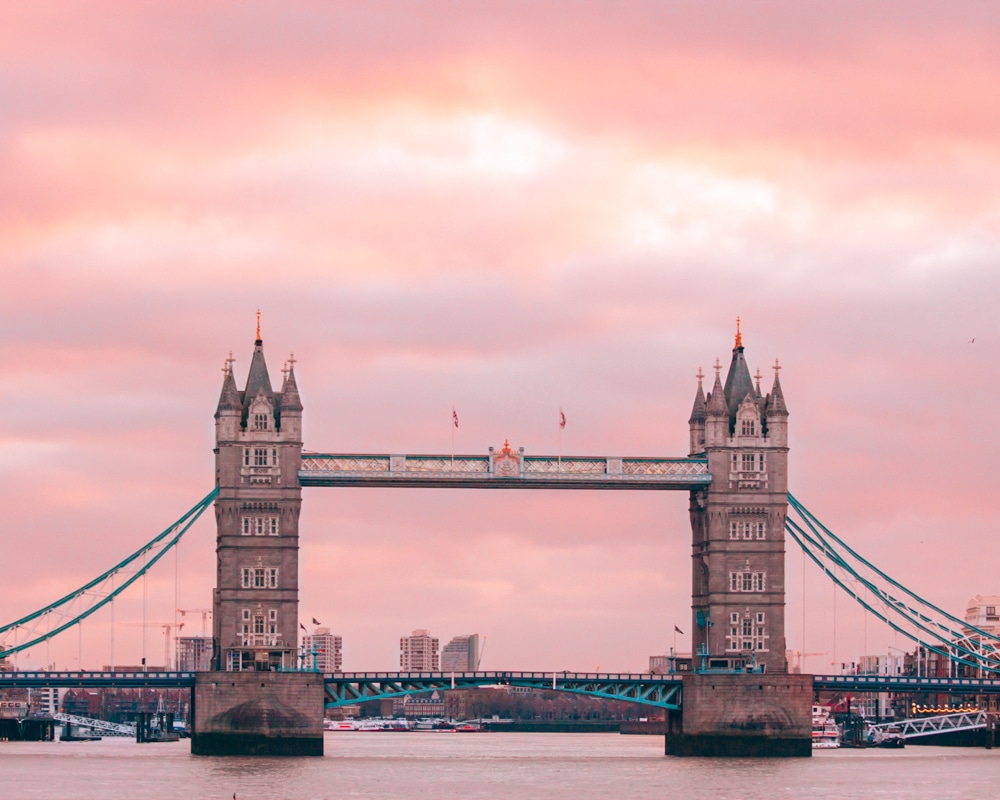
(742,701)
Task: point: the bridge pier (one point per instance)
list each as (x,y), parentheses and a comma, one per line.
(756,715)
(258,714)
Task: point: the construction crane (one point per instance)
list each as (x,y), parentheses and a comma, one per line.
(799,655)
(168,628)
(205,614)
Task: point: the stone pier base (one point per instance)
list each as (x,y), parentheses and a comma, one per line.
(740,715)
(258,714)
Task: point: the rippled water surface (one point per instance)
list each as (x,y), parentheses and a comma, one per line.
(487,765)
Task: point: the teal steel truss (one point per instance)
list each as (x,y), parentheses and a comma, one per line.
(348,688)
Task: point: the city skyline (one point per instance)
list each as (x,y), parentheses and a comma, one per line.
(511,219)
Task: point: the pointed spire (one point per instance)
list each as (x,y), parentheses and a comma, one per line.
(738,381)
(257,380)
(698,411)
(716,406)
(776,400)
(229,399)
(290,400)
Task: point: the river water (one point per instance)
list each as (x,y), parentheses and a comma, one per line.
(485,766)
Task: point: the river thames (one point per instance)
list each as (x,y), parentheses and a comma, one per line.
(486,766)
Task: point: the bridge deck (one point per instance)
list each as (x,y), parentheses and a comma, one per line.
(348,688)
(507,470)
(407,682)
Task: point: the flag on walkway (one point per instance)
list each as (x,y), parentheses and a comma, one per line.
(562,419)
(316,621)
(454,416)
(303,627)
(678,630)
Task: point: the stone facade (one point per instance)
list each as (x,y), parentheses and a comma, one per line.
(738,522)
(743,715)
(257,456)
(258,714)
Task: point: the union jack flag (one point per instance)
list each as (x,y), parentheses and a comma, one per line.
(562,419)
(454,417)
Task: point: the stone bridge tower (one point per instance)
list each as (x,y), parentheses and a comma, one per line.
(738,522)
(258,437)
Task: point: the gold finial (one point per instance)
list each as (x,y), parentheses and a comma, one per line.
(717,367)
(700,376)
(776,368)
(739,336)
(258,324)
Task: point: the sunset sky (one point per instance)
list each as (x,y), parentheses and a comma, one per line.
(505,208)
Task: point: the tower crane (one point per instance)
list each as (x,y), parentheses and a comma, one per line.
(799,655)
(168,628)
(205,614)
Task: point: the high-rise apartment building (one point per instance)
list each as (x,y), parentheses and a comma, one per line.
(461,654)
(419,652)
(325,648)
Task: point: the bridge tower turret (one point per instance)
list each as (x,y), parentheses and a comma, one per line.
(257,456)
(738,522)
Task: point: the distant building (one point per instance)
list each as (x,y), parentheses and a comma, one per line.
(982,613)
(419,652)
(329,651)
(669,664)
(194,653)
(461,654)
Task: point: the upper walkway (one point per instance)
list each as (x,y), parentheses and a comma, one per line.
(505,469)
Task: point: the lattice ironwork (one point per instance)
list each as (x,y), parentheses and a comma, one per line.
(671,467)
(567,466)
(941,723)
(461,464)
(353,464)
(505,469)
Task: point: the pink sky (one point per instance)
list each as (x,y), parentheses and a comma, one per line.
(440,204)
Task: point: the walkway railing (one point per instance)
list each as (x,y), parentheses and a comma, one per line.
(945,723)
(503,470)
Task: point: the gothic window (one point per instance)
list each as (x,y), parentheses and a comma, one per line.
(246,456)
(271,577)
(260,457)
(747,581)
(748,427)
(260,422)
(258,624)
(749,462)
(760,528)
(260,526)
(734,529)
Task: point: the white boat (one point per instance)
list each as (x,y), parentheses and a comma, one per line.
(825,732)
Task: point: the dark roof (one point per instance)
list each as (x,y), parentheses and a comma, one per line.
(229,399)
(698,410)
(290,400)
(738,382)
(776,399)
